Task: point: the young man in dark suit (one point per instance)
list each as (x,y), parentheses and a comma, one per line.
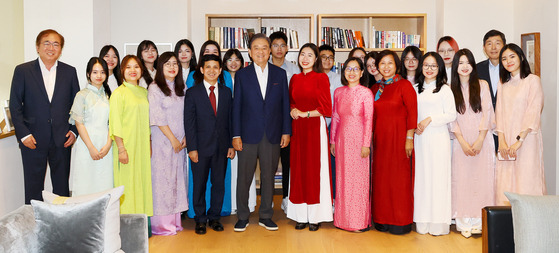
(261,126)
(42,94)
(488,70)
(207,120)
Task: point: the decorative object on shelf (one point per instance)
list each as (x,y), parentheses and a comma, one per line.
(8,119)
(531,47)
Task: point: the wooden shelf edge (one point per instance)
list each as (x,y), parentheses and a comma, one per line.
(234,16)
(374,49)
(8,134)
(374,15)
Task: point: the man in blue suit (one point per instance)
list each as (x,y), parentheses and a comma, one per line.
(42,94)
(207,120)
(261,126)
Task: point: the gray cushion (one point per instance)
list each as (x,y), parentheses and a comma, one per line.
(16,231)
(535,222)
(71,227)
(112,220)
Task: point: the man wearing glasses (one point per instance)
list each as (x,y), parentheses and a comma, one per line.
(279,50)
(42,94)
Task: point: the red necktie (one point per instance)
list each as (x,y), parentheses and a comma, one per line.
(212,98)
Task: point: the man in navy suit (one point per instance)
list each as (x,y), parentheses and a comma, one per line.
(261,126)
(207,120)
(488,70)
(42,94)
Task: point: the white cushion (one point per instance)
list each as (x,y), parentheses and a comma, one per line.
(112,222)
(535,222)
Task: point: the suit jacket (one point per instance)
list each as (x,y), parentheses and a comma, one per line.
(254,116)
(205,131)
(33,113)
(483,73)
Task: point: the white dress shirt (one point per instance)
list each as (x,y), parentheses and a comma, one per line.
(494,76)
(262,76)
(49,77)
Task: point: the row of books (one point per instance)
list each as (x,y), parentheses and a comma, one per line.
(292,35)
(231,37)
(237,37)
(342,38)
(394,39)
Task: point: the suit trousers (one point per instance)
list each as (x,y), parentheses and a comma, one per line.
(200,172)
(268,155)
(284,156)
(35,169)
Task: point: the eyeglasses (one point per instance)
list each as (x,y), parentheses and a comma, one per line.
(171,65)
(280,45)
(432,67)
(327,58)
(53,44)
(350,69)
(448,51)
(410,60)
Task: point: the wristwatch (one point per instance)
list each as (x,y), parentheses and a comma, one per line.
(518,138)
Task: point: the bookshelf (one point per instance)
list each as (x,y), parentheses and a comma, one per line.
(410,24)
(303,24)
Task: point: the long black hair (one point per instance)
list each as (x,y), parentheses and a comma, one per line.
(372,80)
(197,74)
(146,44)
(89,68)
(473,86)
(116,71)
(160,75)
(364,78)
(192,63)
(504,74)
(416,52)
(204,59)
(441,75)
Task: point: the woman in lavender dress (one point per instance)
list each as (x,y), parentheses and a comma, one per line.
(166,104)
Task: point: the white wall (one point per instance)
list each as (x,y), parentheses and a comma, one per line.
(76,26)
(541,16)
(467,23)
(11,50)
(161,22)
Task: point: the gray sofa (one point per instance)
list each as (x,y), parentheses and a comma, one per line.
(16,231)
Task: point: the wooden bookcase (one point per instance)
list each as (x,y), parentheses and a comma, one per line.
(302,23)
(414,23)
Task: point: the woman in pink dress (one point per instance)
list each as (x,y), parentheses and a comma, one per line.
(310,190)
(473,155)
(518,111)
(352,127)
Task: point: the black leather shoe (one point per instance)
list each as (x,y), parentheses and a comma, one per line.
(215,225)
(313,227)
(200,228)
(300,226)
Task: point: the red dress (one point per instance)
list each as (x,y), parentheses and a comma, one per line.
(393,173)
(307,92)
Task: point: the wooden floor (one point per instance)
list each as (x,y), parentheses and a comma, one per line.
(327,239)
